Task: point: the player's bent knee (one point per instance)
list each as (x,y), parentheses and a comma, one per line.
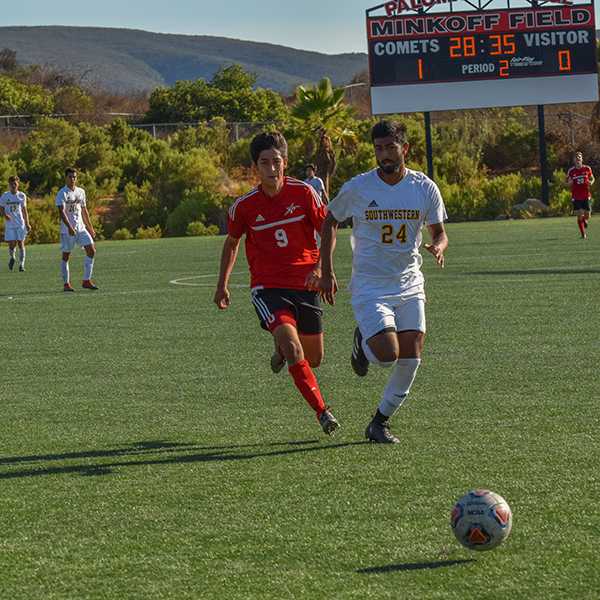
(315,361)
(386,356)
(292,350)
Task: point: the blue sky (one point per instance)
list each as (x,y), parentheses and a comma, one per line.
(330,26)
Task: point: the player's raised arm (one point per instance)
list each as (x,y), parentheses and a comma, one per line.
(569,178)
(229,254)
(328,285)
(439,243)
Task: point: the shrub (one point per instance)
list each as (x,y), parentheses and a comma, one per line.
(500,194)
(148,233)
(196,206)
(45,226)
(197,228)
(122,234)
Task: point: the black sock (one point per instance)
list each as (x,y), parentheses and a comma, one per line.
(380,417)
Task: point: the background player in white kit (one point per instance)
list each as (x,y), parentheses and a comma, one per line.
(389,206)
(13,205)
(75,229)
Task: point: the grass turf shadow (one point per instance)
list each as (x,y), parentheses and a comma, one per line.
(206,454)
(420,566)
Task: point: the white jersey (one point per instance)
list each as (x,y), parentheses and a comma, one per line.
(317,184)
(387,230)
(72,201)
(13,205)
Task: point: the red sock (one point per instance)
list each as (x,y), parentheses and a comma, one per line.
(581,223)
(307,385)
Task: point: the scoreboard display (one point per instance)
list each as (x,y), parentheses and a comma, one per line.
(473,59)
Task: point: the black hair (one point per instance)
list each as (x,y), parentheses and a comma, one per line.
(266,141)
(70,171)
(392,129)
(311,166)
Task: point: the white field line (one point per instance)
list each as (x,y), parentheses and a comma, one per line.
(185,281)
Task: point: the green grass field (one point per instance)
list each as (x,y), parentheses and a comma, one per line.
(148,452)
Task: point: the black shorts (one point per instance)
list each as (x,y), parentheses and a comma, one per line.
(277,306)
(582,205)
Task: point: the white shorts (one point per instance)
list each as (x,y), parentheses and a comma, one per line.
(81,238)
(14,234)
(390,312)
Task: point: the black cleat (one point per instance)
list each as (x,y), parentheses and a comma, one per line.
(11,264)
(380,433)
(358,360)
(328,422)
(21,269)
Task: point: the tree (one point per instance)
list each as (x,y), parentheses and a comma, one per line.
(322,110)
(8,60)
(19,98)
(229,95)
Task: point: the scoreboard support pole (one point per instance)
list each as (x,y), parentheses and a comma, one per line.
(543,155)
(429,144)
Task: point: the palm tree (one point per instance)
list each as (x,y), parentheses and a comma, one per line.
(325,116)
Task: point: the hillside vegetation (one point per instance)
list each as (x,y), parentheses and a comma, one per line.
(126,60)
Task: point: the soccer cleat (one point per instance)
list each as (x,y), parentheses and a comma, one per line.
(328,422)
(277,362)
(88,284)
(380,433)
(11,264)
(358,360)
(21,269)
(68,288)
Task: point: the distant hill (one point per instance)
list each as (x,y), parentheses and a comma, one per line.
(129,60)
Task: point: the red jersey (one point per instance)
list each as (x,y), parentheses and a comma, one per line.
(580,186)
(281,246)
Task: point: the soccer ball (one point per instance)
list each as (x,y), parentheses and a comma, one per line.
(481,520)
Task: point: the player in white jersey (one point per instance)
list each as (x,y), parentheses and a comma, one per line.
(13,205)
(316,182)
(389,207)
(75,229)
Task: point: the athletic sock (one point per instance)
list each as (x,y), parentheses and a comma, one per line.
(581,225)
(88,268)
(11,252)
(64,269)
(399,385)
(22,254)
(307,385)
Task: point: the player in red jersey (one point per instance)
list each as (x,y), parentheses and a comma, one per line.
(280,219)
(581,178)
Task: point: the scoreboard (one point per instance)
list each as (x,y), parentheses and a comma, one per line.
(475,59)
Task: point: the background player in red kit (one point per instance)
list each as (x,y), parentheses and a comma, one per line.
(279,219)
(581,178)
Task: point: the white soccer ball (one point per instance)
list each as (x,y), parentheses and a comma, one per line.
(481,520)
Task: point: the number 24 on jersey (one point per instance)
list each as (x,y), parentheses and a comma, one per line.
(388,234)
